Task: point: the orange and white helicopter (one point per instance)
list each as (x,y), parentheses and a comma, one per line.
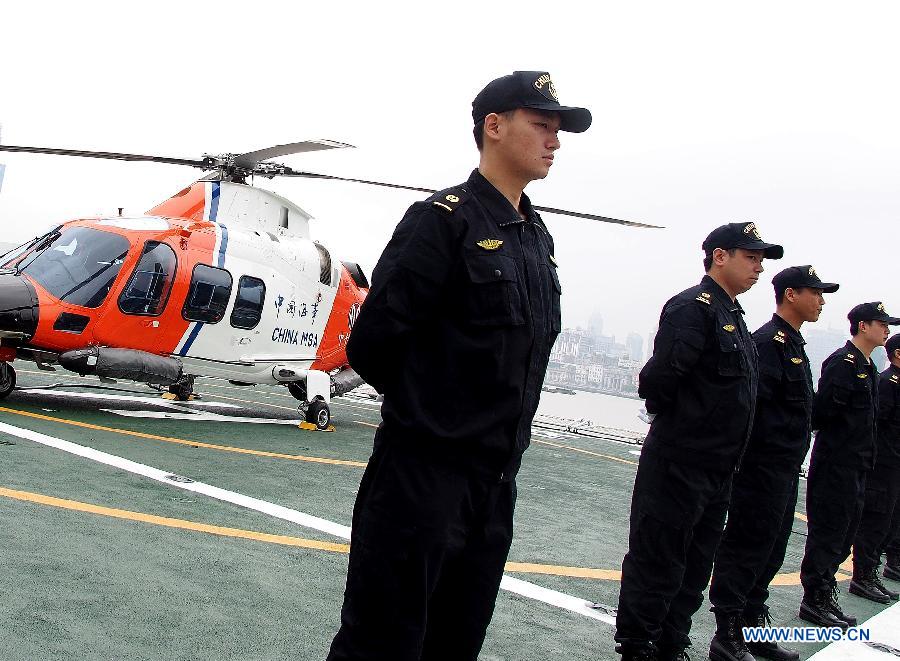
(221,280)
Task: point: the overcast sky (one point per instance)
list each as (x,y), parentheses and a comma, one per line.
(783,113)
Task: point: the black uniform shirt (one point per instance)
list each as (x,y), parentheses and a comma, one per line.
(457,329)
(701,380)
(782,423)
(845,409)
(889,417)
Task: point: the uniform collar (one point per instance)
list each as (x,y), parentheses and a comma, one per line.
(723,298)
(498,206)
(859,355)
(789,330)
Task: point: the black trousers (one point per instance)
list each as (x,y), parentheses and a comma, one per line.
(427,551)
(760,518)
(834,503)
(677,515)
(882,493)
(892,546)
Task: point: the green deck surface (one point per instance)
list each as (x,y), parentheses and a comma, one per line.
(83,585)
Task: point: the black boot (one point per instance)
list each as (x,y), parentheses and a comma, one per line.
(816,608)
(893,596)
(892,568)
(767,650)
(863,585)
(836,607)
(728,643)
(639,653)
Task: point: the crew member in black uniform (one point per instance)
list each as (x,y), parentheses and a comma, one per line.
(700,387)
(844,413)
(882,486)
(456,333)
(764,493)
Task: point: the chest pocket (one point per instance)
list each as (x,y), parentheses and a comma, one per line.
(795,389)
(861,394)
(493,297)
(732,361)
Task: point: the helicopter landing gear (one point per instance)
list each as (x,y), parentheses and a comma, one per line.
(319,414)
(183,389)
(7,379)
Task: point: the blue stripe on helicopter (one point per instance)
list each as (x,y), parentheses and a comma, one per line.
(223,245)
(193,336)
(214,201)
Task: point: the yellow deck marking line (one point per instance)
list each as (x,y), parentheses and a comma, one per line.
(286,540)
(593,454)
(173,523)
(181,441)
(802,517)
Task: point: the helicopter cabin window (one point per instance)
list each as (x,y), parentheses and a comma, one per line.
(208,295)
(324,264)
(148,288)
(248,305)
(78,265)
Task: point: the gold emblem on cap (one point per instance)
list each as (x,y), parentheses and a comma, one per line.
(490,244)
(881,307)
(452,198)
(728,327)
(812,271)
(796,361)
(750,228)
(545,80)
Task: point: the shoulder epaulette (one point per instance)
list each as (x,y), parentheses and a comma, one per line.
(894,378)
(779,337)
(704,297)
(850,358)
(450,199)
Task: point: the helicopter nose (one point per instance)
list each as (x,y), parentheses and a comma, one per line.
(18,308)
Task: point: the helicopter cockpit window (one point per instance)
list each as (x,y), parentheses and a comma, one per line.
(209,294)
(78,266)
(248,305)
(324,264)
(148,288)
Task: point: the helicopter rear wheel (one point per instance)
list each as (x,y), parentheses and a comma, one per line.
(183,389)
(319,414)
(7,379)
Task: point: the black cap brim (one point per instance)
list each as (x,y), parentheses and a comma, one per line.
(827,287)
(571,120)
(770,250)
(890,321)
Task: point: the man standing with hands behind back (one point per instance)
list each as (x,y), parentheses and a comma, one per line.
(456,333)
(700,386)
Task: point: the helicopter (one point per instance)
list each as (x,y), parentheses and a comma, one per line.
(222,280)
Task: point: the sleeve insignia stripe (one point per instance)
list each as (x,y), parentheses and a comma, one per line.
(444,206)
(728,327)
(850,360)
(490,244)
(796,361)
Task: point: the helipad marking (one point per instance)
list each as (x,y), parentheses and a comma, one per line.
(150,401)
(883,643)
(181,441)
(593,454)
(203,416)
(173,523)
(518,586)
(171,479)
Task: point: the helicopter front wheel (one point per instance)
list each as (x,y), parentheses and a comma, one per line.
(319,414)
(183,389)
(7,379)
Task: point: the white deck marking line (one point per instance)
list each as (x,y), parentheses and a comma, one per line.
(249,502)
(515,585)
(883,628)
(202,416)
(152,401)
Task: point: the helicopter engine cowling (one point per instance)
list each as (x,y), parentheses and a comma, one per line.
(18,308)
(129,364)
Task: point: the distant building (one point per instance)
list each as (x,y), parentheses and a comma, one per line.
(589,360)
(635,346)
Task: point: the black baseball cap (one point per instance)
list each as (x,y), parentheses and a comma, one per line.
(796,277)
(892,344)
(740,235)
(528,89)
(871,312)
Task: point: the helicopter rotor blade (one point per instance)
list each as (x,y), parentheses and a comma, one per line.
(251,158)
(561,212)
(203,164)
